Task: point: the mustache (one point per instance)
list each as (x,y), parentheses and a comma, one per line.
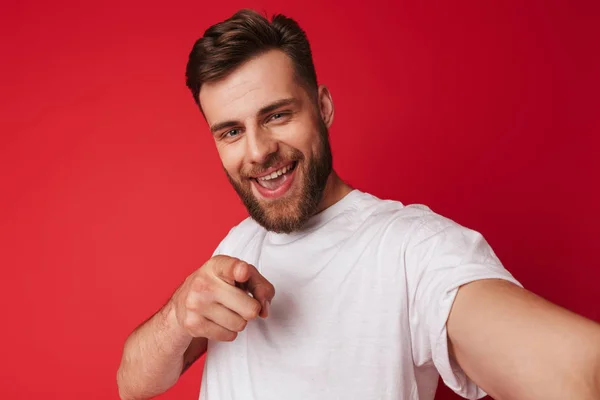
(272,159)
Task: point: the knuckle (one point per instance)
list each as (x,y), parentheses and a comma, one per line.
(263,290)
(191,303)
(221,261)
(253,310)
(196,301)
(190,322)
(240,325)
(216,265)
(227,336)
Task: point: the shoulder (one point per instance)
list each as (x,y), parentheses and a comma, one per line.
(425,240)
(239,236)
(247,227)
(413,224)
(394,215)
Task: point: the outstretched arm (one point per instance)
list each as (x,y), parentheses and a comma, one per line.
(516,345)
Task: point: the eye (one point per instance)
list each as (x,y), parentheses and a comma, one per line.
(277,116)
(231,133)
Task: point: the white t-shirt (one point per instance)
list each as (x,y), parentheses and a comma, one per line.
(363,293)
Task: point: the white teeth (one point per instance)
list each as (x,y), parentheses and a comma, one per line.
(275,174)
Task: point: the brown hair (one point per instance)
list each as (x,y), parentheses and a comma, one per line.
(247,34)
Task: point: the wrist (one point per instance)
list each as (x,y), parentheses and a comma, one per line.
(598,380)
(178,335)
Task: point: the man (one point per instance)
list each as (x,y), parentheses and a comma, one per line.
(374,299)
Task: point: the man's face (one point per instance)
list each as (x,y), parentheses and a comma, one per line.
(272,140)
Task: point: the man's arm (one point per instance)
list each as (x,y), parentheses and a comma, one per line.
(195,350)
(155,355)
(207,306)
(516,345)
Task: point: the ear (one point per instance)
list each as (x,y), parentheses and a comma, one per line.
(326,105)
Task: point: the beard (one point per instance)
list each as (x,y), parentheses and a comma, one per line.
(290,213)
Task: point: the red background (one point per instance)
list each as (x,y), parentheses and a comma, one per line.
(112,191)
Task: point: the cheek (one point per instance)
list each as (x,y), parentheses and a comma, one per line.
(303,137)
(231,158)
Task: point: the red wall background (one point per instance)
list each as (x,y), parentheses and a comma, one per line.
(111,191)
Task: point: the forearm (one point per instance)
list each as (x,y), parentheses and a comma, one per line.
(153,356)
(515,344)
(597,387)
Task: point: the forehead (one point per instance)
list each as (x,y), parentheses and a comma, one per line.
(258,82)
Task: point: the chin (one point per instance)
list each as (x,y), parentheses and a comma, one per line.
(285,225)
(280,215)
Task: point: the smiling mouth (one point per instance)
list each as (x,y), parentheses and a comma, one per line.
(276,178)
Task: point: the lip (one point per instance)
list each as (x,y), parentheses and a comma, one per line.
(280,191)
(272,169)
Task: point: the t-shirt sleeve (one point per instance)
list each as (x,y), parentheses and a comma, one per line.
(440,256)
(225,245)
(219,250)
(236,239)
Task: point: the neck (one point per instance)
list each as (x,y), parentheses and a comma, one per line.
(335,190)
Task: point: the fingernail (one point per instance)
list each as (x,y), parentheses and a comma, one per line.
(267,306)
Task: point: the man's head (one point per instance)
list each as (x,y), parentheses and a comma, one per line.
(255,83)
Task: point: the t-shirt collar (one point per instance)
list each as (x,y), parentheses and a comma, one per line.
(317,220)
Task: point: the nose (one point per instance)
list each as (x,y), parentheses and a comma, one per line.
(260,145)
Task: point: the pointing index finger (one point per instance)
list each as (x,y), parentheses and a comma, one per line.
(232,270)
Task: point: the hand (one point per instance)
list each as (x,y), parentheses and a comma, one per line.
(212,304)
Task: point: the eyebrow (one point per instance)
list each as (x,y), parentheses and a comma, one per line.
(265,110)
